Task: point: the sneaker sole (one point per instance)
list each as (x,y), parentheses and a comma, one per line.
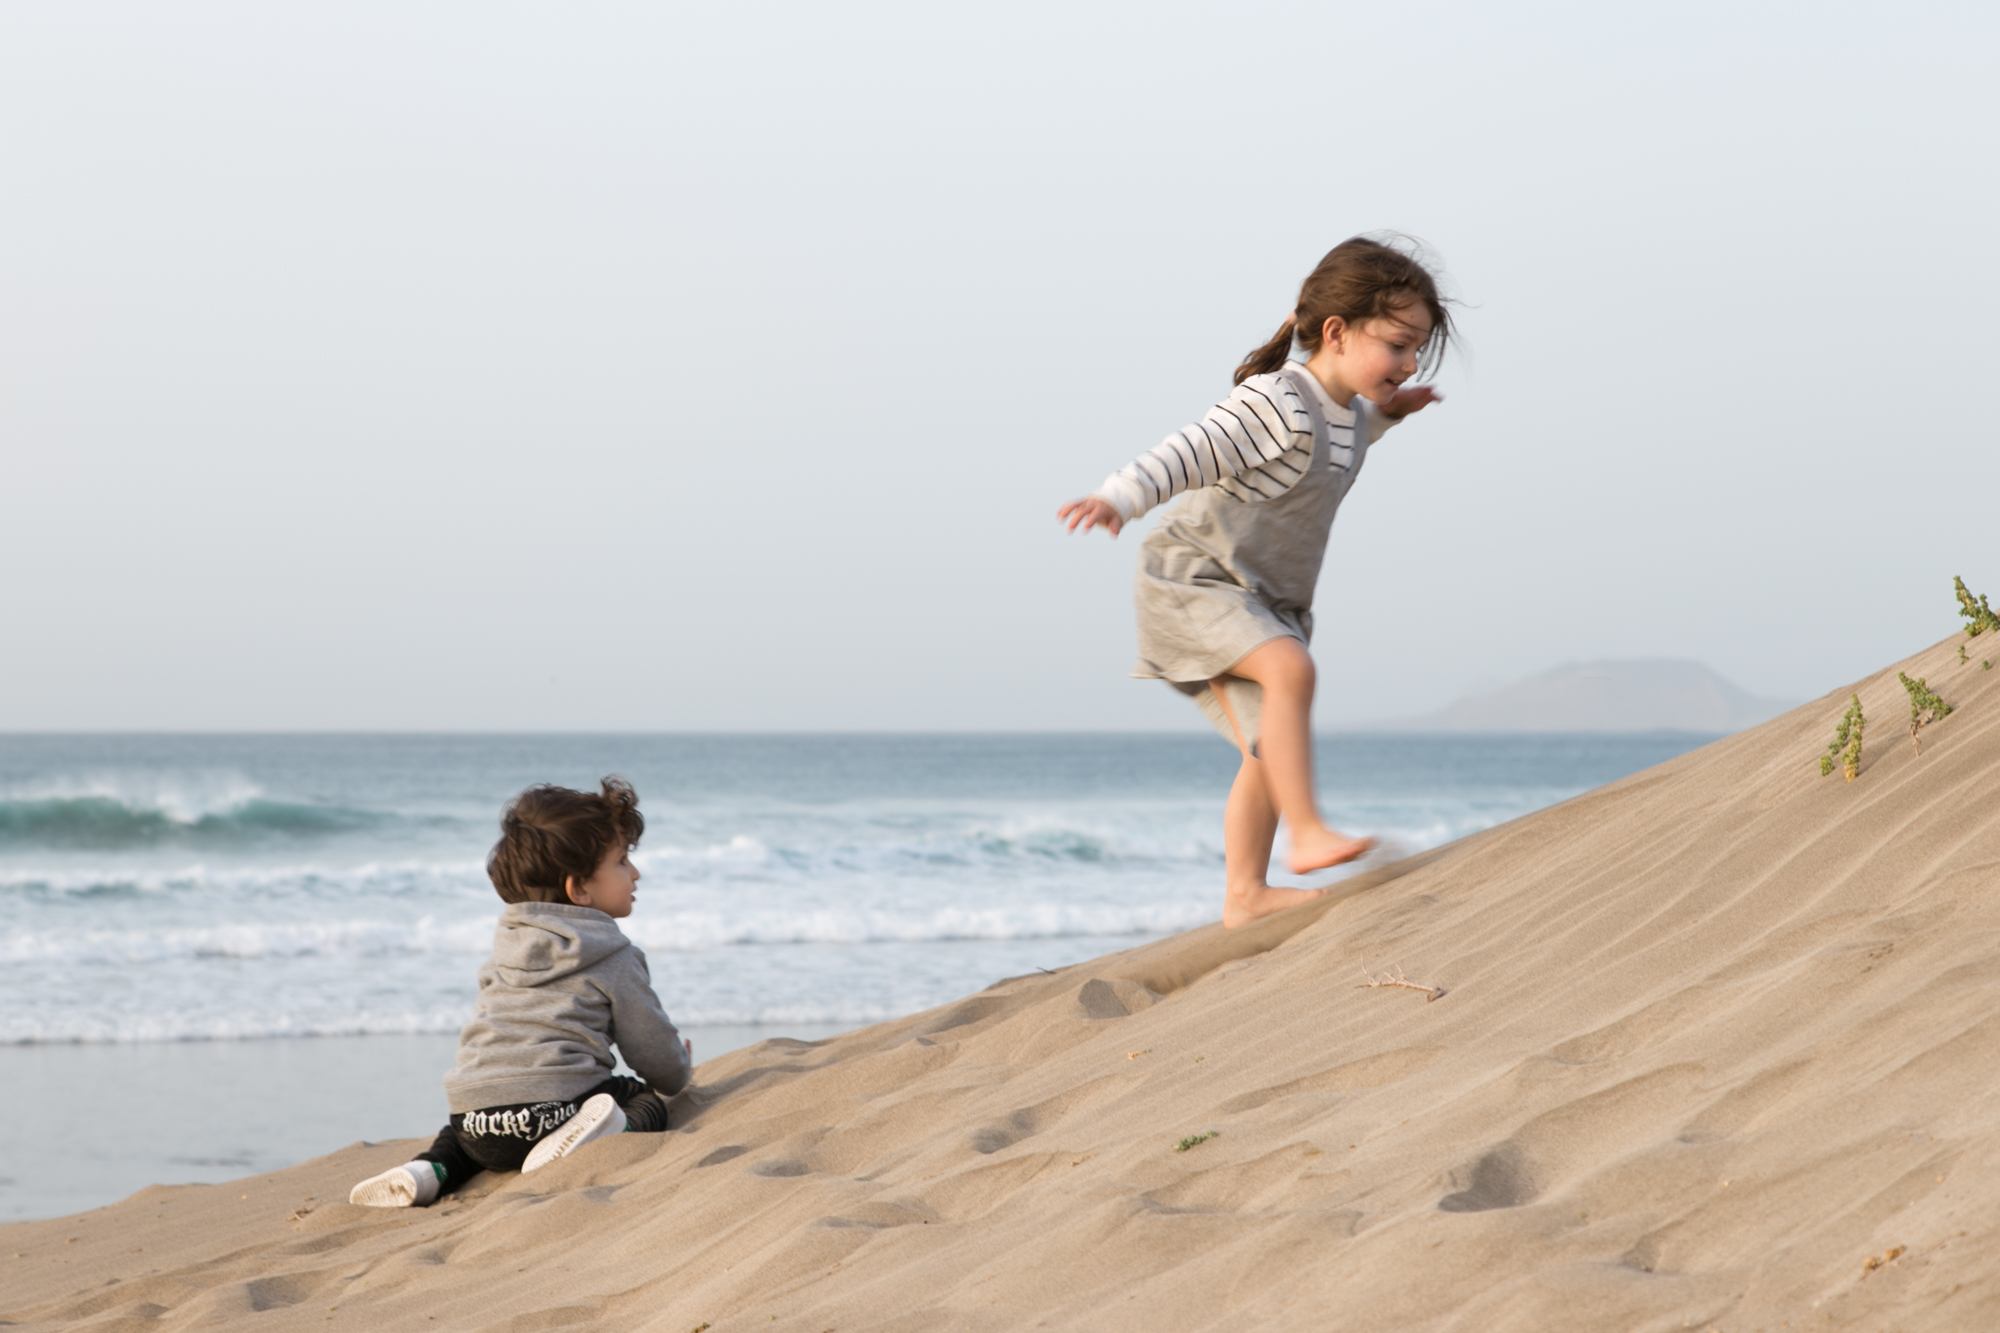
(598,1117)
(392,1189)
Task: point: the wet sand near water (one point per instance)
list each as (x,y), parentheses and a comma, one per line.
(204,1111)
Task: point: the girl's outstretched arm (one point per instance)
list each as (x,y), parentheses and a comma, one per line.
(1091,512)
(1259,425)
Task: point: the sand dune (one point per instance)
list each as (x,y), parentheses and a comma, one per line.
(1720,1048)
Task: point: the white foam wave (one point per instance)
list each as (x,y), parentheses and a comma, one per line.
(244,940)
(897,850)
(209,1025)
(254,883)
(179,798)
(444,1020)
(679,931)
(862,860)
(690,931)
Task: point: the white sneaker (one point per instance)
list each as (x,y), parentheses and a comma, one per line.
(398,1187)
(596,1118)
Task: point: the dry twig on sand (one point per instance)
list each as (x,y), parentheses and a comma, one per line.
(1875,1261)
(1394,977)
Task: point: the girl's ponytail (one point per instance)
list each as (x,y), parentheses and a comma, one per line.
(1272,355)
(1360,279)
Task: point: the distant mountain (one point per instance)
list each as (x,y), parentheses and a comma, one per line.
(1653,694)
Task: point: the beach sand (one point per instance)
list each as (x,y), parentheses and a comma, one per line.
(215,1110)
(1719,1048)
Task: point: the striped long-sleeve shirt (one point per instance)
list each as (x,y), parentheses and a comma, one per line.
(1254,444)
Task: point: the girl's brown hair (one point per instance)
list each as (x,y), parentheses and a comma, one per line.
(1359,280)
(549,833)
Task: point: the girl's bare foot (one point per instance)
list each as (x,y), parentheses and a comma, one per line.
(1242,906)
(1316,849)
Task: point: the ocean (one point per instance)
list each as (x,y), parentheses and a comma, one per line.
(190,906)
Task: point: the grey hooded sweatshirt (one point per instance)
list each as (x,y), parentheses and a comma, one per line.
(563,986)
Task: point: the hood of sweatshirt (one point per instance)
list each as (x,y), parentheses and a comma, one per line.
(537,943)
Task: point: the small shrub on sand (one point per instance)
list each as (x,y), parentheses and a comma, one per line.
(1978,615)
(1193,1141)
(1925,707)
(1846,743)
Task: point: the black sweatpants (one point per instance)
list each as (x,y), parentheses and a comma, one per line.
(498,1138)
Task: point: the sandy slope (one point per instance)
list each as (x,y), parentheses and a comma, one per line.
(1715,1037)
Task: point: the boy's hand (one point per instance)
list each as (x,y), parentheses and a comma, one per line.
(1091,512)
(689,1043)
(1412,400)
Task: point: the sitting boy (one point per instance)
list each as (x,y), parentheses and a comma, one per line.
(534,1081)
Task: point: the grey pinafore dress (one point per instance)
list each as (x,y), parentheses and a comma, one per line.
(1219,575)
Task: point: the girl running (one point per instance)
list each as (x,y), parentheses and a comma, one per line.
(1225,582)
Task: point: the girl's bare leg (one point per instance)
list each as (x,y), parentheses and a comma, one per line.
(1248,826)
(1285,670)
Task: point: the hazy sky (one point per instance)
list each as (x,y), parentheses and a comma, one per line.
(671,367)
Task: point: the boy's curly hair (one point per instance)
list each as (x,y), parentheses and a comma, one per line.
(550,833)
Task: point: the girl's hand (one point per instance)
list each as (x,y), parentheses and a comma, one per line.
(1412,400)
(1091,512)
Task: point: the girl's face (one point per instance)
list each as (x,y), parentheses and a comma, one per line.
(1372,359)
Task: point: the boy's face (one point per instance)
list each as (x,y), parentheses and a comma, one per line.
(611,888)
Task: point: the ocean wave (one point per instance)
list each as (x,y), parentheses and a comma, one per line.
(687,931)
(444,1020)
(357,939)
(109,816)
(1024,878)
(911,845)
(959,848)
(668,931)
(259,884)
(228,840)
(72,1029)
(864,858)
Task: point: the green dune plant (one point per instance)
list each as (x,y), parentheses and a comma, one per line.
(1846,745)
(1925,707)
(1978,615)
